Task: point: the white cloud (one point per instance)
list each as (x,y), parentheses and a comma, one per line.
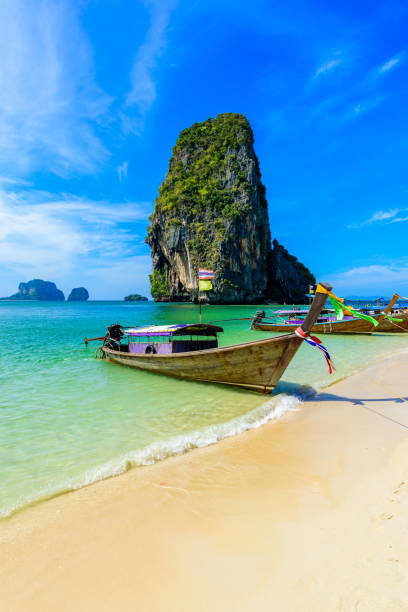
(389,216)
(6,180)
(57,238)
(143,84)
(337,117)
(391,63)
(122,171)
(373,279)
(50,105)
(53,114)
(123,276)
(356,98)
(399,219)
(381,215)
(328,66)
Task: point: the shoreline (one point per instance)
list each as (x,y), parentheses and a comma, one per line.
(251,509)
(268,411)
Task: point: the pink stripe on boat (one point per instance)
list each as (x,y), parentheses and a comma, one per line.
(205,274)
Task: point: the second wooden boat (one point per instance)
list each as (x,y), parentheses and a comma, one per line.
(329,324)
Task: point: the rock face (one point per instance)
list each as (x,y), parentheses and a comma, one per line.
(211,212)
(79,294)
(289,279)
(37,290)
(135,297)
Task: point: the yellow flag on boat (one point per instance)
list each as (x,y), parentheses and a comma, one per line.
(204,279)
(204,285)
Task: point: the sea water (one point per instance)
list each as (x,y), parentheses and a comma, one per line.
(68,419)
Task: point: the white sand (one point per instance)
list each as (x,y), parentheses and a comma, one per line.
(306,513)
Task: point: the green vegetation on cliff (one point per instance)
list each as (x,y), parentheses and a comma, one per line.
(159,284)
(202,157)
(212,183)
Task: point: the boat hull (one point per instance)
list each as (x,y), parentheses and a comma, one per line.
(256,366)
(352,326)
(394,326)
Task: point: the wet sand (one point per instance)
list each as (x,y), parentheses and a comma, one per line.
(309,512)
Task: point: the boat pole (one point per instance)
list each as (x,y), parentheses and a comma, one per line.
(318,303)
(199,294)
(86,340)
(394,299)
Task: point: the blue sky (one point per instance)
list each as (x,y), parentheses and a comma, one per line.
(94,94)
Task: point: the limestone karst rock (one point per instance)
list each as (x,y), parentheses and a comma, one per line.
(79,294)
(135,297)
(289,279)
(37,289)
(211,212)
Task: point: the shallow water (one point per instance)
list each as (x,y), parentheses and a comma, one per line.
(68,419)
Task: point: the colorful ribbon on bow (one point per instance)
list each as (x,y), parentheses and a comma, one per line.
(337,304)
(394,319)
(338,309)
(313,341)
(387,316)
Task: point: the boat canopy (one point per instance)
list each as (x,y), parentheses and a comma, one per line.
(182,329)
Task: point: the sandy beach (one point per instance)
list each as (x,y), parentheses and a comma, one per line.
(308,512)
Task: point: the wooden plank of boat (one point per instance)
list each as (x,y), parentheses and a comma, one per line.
(387,326)
(350,326)
(257,365)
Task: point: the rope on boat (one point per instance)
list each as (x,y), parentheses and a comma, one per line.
(381,385)
(396,324)
(372,380)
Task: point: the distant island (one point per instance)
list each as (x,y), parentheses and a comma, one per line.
(79,294)
(135,297)
(40,290)
(37,289)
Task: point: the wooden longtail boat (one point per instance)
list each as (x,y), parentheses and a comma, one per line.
(180,351)
(329,325)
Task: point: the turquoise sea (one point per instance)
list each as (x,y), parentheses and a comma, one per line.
(68,419)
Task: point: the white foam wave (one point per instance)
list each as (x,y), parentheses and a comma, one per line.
(275,408)
(157,451)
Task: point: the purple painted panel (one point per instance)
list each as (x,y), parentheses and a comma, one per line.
(162,348)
